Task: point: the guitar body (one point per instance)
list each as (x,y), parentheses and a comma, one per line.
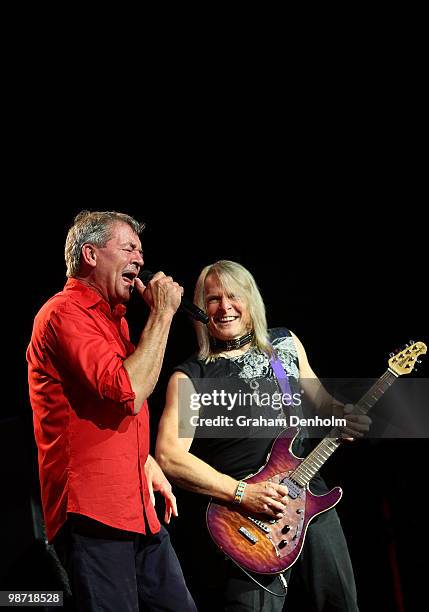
(252,541)
(269,547)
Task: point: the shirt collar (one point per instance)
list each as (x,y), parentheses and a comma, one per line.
(89,298)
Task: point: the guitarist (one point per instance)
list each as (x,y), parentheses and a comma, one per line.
(322,577)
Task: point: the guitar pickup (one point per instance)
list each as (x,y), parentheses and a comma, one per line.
(260,524)
(249,536)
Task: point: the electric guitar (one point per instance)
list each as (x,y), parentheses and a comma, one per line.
(262,545)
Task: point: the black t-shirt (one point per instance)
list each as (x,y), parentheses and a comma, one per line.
(239,457)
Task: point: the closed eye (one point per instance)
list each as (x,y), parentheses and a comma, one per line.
(139,251)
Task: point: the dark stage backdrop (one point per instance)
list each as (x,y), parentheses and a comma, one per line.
(349,286)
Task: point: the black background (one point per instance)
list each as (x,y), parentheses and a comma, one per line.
(347,285)
(320,194)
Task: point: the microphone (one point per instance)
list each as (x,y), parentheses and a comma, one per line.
(186,305)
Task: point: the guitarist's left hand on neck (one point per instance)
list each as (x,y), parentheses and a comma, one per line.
(357,425)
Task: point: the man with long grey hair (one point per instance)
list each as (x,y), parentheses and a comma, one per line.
(88,388)
(237,346)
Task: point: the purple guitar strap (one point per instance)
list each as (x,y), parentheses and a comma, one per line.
(280,374)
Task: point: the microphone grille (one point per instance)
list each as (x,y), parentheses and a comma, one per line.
(146,276)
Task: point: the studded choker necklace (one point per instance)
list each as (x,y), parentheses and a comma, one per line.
(234,344)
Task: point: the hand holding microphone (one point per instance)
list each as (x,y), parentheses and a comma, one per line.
(162,295)
(169,295)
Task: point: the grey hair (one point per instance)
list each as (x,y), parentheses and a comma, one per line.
(236,279)
(94,227)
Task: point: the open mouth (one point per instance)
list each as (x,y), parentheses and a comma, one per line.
(228,319)
(129,277)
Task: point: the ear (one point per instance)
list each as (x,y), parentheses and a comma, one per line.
(89,255)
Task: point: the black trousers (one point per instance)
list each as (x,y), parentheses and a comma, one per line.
(321,580)
(111,570)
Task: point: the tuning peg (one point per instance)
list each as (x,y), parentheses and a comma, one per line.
(391,354)
(412,342)
(418,360)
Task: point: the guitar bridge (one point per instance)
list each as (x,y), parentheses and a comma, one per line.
(249,536)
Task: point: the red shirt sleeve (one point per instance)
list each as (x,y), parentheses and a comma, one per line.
(79,341)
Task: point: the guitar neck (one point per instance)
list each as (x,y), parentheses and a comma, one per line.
(326,447)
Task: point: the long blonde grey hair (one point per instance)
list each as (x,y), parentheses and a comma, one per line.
(235,279)
(94,227)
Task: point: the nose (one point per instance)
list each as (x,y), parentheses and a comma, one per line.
(138,259)
(225,304)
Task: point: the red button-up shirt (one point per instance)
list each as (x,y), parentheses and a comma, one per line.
(92,449)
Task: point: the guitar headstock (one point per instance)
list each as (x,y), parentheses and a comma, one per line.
(404,361)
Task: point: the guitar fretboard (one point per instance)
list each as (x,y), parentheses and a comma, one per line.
(314,461)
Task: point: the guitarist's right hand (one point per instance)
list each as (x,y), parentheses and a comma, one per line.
(265,498)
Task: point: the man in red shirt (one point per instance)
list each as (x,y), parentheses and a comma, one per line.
(88,388)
